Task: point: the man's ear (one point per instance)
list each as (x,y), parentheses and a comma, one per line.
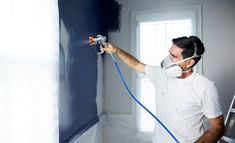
(190,63)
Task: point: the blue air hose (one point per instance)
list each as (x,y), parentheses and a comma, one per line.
(130,94)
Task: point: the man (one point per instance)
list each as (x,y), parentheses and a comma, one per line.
(183,96)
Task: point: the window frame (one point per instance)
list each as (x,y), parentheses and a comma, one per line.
(172,13)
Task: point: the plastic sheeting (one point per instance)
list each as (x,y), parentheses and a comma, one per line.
(93,135)
(113,129)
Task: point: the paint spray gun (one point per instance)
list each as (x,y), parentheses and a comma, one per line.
(101,41)
(98,40)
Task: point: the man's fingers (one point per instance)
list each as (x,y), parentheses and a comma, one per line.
(103,48)
(108,48)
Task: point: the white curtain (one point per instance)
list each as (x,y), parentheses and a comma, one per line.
(29,32)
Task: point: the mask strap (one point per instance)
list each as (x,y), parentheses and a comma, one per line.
(176,63)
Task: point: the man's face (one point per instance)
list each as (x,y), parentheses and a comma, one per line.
(176,55)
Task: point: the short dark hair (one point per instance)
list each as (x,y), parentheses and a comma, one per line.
(189,45)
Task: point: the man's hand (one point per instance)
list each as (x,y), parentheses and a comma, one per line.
(109,48)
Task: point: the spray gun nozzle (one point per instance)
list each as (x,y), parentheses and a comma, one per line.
(91,40)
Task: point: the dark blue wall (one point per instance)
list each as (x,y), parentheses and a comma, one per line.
(78,73)
(80,19)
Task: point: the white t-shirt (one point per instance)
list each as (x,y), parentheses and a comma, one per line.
(181,105)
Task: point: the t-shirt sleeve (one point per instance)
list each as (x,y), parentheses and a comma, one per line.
(211,105)
(153,73)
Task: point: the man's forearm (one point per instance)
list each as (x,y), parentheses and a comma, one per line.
(128,59)
(212,135)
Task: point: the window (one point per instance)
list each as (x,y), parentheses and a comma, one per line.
(154,31)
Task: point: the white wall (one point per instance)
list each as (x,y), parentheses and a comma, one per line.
(218,37)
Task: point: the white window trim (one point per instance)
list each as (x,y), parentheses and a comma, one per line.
(135,17)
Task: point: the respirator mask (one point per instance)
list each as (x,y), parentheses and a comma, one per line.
(173,69)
